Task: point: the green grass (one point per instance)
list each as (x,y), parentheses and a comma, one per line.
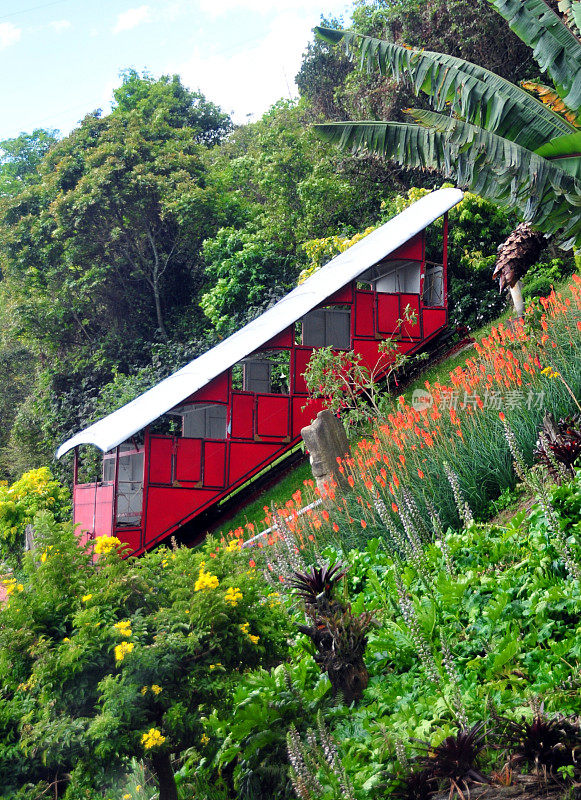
(277,495)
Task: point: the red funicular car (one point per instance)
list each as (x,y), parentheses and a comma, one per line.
(241,405)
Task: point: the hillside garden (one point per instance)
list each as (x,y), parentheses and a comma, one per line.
(393,642)
(415,635)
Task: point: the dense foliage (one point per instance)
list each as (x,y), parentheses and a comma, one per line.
(391,642)
(129,246)
(104,659)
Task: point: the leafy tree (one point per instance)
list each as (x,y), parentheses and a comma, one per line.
(35,491)
(20,158)
(247,272)
(120,659)
(500,141)
(179,106)
(100,255)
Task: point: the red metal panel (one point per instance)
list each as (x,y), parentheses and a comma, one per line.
(160,453)
(247,457)
(130,537)
(216,391)
(364,302)
(283,339)
(189,460)
(406,347)
(214,464)
(272,415)
(413,249)
(169,508)
(301,358)
(344,295)
(303,417)
(433,319)
(408,330)
(242,416)
(93,508)
(368,350)
(387,313)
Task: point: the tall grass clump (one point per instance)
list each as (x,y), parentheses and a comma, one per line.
(434,464)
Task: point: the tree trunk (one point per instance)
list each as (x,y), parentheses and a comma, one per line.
(517,299)
(161,763)
(159,313)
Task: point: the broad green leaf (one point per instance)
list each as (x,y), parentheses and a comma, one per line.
(555,47)
(565,149)
(505,655)
(576,11)
(474,93)
(500,170)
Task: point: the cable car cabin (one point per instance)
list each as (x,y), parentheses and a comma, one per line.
(241,405)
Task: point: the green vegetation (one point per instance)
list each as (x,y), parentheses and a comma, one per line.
(180,670)
(417,635)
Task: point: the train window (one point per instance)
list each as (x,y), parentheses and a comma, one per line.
(395,277)
(327,327)
(434,285)
(130,462)
(204,421)
(263,373)
(129,482)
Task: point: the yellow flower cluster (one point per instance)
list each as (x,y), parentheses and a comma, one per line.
(123,628)
(85,598)
(105,544)
(234,546)
(44,554)
(245,630)
(550,372)
(274,599)
(11,584)
(155,688)
(217,665)
(204,739)
(233,596)
(153,738)
(205,580)
(121,650)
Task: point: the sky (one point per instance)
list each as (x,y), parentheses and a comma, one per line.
(61,59)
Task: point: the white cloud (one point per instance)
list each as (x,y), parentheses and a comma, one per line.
(9,34)
(251,80)
(132,18)
(60,25)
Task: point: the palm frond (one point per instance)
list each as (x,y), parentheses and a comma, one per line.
(571,10)
(487,164)
(474,93)
(549,97)
(555,47)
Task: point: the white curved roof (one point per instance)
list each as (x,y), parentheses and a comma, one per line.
(119,426)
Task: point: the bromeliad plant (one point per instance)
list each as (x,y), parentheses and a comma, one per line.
(559,446)
(550,746)
(339,636)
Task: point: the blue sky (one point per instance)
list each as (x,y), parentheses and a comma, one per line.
(61,59)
